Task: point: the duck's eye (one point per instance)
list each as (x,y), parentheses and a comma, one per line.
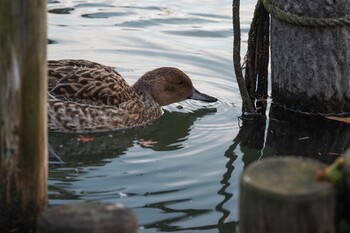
(180,83)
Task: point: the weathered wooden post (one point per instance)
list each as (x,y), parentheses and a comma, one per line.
(23,117)
(88,217)
(310,54)
(281,194)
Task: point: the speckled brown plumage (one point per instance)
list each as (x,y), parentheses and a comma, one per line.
(80,80)
(77,117)
(86,96)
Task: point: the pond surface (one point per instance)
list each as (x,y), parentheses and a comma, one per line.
(181,172)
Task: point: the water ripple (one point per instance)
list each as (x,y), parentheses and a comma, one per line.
(201,33)
(105,15)
(93,5)
(177,183)
(63,10)
(161,21)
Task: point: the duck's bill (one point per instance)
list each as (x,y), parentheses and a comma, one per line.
(196,95)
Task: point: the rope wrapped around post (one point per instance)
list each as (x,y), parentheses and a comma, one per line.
(257,56)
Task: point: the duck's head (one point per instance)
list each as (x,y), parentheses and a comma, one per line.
(169,85)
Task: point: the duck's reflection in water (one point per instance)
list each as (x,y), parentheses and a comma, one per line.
(168,133)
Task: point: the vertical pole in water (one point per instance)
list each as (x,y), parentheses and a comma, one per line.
(309,63)
(23,116)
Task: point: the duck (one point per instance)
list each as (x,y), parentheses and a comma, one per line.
(85,96)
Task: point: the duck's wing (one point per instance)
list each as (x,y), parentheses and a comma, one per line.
(58,69)
(88,82)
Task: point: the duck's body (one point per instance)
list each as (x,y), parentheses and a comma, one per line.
(87,96)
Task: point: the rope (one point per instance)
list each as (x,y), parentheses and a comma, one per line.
(304,20)
(247,106)
(257,58)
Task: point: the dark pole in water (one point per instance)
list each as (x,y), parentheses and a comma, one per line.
(310,53)
(23,116)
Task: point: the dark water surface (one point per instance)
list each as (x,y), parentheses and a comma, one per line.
(188,180)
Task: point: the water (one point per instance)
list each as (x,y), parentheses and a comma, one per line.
(188,180)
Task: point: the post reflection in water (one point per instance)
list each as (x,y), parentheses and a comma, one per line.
(291,133)
(283,133)
(297,134)
(250,140)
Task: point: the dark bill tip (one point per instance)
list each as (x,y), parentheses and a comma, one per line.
(196,95)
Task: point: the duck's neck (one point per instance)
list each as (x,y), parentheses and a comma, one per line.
(141,90)
(139,87)
(151,105)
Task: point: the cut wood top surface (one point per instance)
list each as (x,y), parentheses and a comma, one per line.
(286,177)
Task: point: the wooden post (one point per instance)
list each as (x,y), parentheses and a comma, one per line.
(282,194)
(88,217)
(310,64)
(23,116)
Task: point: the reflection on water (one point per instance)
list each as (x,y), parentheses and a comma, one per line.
(65,10)
(317,137)
(250,140)
(117,163)
(112,144)
(291,133)
(188,181)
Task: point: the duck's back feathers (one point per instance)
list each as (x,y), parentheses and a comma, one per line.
(88,82)
(58,69)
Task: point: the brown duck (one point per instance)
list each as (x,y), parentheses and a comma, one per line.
(86,96)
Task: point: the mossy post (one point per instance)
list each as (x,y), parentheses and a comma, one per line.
(310,58)
(282,194)
(23,116)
